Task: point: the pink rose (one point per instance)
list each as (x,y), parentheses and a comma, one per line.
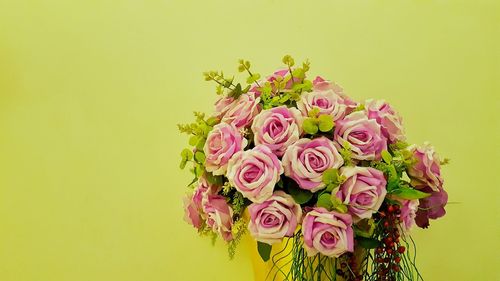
(193,203)
(278,74)
(192,213)
(274,218)
(222,143)
(327,98)
(363,135)
(426,171)
(219,216)
(390,121)
(322,85)
(363,191)
(255,172)
(239,112)
(431,207)
(409,210)
(277,128)
(329,233)
(306,160)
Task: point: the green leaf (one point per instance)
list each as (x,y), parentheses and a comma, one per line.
(310,126)
(288,60)
(325,201)
(365,228)
(187,154)
(313,112)
(199,157)
(253,78)
(409,193)
(201,144)
(264,250)
(193,140)
(331,176)
(198,170)
(367,243)
(386,156)
(215,180)
(236,92)
(183,163)
(338,205)
(213,121)
(330,187)
(300,196)
(325,123)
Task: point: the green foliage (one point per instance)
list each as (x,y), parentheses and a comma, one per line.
(332,179)
(239,229)
(408,193)
(386,156)
(337,205)
(238,203)
(300,196)
(365,228)
(236,92)
(367,243)
(325,201)
(264,250)
(219,78)
(325,123)
(310,126)
(288,60)
(186,155)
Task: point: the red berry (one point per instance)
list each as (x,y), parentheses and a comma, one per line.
(379,250)
(390,209)
(401,249)
(395,268)
(386,224)
(397,259)
(389,251)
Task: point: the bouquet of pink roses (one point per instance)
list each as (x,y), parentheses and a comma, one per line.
(290,158)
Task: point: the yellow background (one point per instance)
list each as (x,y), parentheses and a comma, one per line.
(90,92)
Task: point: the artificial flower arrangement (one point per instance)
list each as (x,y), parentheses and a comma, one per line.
(287,158)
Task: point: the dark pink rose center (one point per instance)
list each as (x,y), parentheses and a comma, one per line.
(364,199)
(360,135)
(270,220)
(322,103)
(216,143)
(314,161)
(252,173)
(328,240)
(275,129)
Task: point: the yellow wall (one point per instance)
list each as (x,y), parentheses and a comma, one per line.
(90,92)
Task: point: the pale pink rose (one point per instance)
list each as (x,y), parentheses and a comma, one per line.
(390,121)
(192,214)
(275,218)
(328,233)
(277,128)
(255,172)
(307,159)
(193,203)
(363,135)
(322,85)
(426,171)
(219,216)
(408,210)
(363,191)
(431,207)
(222,143)
(278,74)
(327,98)
(239,112)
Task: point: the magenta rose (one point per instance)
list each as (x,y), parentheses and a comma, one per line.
(431,207)
(277,128)
(408,210)
(363,191)
(390,121)
(328,233)
(362,135)
(222,143)
(255,172)
(426,170)
(307,159)
(239,112)
(275,218)
(219,216)
(193,203)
